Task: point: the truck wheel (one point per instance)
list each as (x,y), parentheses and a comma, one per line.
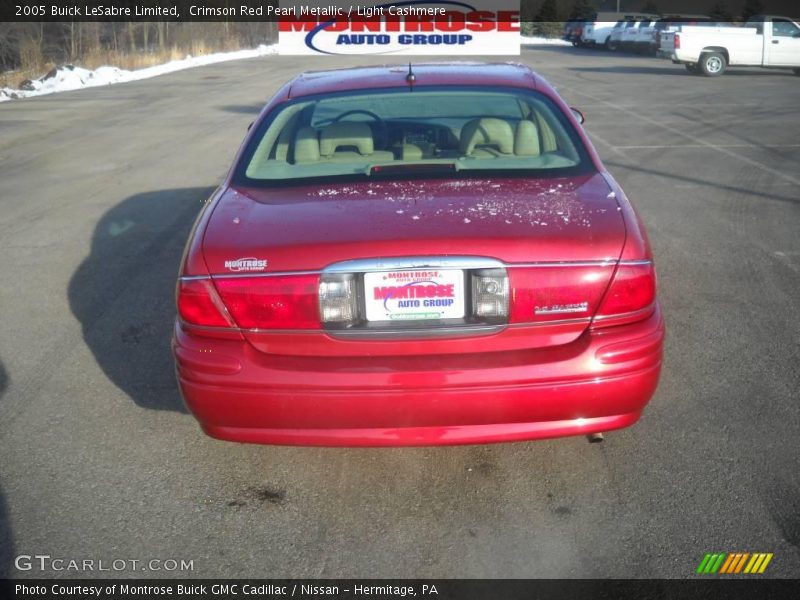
(613,46)
(692,68)
(712,64)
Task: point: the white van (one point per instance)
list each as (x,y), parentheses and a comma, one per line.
(598,31)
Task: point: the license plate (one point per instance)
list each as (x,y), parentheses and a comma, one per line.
(414,295)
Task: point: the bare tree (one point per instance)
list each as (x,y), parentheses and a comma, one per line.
(35,46)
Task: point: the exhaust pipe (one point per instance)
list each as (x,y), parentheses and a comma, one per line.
(595,438)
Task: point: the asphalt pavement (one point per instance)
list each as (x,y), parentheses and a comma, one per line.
(100,461)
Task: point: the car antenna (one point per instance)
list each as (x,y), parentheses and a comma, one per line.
(410,78)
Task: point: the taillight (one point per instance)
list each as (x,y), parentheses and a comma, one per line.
(631,293)
(199,304)
(677,41)
(556,293)
(280,302)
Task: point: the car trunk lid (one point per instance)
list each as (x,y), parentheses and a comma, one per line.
(513,220)
(558,239)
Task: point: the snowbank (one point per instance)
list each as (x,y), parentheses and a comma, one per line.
(532,40)
(69,77)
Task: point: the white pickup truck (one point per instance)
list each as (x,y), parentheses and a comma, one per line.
(761,42)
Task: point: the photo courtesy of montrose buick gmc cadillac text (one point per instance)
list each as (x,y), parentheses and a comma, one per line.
(417,255)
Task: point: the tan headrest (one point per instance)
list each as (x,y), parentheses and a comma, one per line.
(487,131)
(546,134)
(526,139)
(344,134)
(306,145)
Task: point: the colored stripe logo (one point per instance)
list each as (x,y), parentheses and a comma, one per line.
(734,563)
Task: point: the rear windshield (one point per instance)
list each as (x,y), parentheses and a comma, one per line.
(400,133)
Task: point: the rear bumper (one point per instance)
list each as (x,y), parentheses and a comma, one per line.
(601,381)
(422,436)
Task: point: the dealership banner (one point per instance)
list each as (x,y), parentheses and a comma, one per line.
(409,27)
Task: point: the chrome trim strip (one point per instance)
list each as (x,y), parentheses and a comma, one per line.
(274,274)
(365,265)
(635,313)
(283,331)
(246,275)
(574,321)
(548,264)
(452,262)
(186,325)
(633,263)
(433,332)
(350,333)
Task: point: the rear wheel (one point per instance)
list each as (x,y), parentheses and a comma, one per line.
(712,64)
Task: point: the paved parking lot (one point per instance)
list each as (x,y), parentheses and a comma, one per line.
(98,190)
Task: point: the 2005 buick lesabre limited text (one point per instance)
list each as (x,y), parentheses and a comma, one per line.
(415,256)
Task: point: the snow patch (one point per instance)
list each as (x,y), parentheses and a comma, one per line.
(535,40)
(68,77)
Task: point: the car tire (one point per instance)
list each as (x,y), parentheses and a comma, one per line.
(692,68)
(613,46)
(712,64)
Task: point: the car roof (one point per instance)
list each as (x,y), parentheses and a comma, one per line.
(426,74)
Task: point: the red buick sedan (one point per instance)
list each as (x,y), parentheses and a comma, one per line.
(417,258)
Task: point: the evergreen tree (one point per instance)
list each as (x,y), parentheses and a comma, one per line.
(650,7)
(583,9)
(547,21)
(752,8)
(719,12)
